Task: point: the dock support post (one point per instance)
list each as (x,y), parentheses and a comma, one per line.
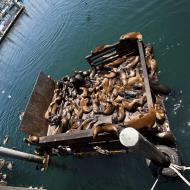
(133,140)
(21,155)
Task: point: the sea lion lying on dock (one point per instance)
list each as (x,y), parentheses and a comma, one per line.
(160,112)
(145,121)
(131,36)
(32,139)
(116,63)
(135,102)
(99,49)
(133,63)
(104,127)
(84,105)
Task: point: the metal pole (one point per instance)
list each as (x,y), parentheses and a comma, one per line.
(21,155)
(133,140)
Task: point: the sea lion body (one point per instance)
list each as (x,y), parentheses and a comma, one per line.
(160,112)
(105,127)
(99,49)
(133,63)
(84,105)
(146,121)
(116,63)
(133,80)
(109,108)
(131,36)
(110,75)
(121,114)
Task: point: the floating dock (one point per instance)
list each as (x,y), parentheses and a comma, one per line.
(82,114)
(9,12)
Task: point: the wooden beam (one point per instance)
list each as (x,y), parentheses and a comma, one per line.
(83,136)
(146,79)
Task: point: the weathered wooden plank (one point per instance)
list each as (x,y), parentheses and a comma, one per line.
(146,79)
(83,136)
(33,121)
(119,49)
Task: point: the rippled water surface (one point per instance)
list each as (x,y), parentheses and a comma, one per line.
(54,36)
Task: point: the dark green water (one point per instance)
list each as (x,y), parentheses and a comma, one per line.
(54,37)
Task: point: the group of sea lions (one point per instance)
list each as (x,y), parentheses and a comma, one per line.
(106,96)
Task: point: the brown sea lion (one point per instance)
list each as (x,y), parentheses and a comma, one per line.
(118,99)
(133,80)
(131,73)
(84,93)
(151,65)
(145,121)
(84,104)
(109,108)
(133,63)
(123,77)
(32,139)
(148,51)
(129,105)
(105,127)
(110,75)
(85,123)
(52,104)
(132,36)
(95,104)
(121,113)
(99,49)
(160,112)
(116,63)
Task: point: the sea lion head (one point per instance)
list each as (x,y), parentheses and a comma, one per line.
(32,139)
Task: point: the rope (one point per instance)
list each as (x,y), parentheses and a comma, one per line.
(175,168)
(152,188)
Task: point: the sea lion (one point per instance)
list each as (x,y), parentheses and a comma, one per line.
(110,75)
(160,112)
(123,77)
(148,51)
(95,104)
(116,63)
(53,105)
(84,92)
(99,49)
(84,104)
(133,80)
(133,63)
(131,105)
(131,36)
(145,121)
(32,139)
(118,99)
(131,73)
(109,108)
(85,123)
(120,113)
(152,65)
(105,127)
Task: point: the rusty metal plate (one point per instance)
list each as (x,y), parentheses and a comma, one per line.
(33,121)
